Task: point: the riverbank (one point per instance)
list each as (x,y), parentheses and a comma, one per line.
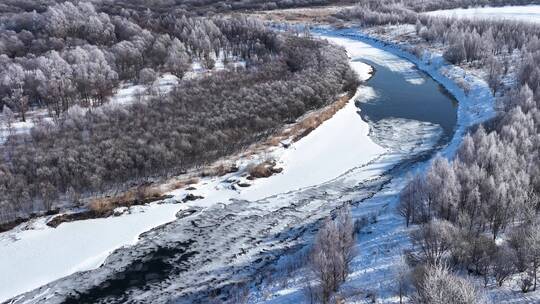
(476,103)
(375,271)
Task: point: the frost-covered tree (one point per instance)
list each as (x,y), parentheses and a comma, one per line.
(332,253)
(8,118)
(12,79)
(440,286)
(433,241)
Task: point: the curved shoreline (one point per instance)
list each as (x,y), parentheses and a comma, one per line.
(472,109)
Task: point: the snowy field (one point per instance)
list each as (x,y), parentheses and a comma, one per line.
(527,13)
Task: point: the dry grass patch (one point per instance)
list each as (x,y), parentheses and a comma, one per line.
(100,206)
(137,196)
(219,170)
(180,183)
(260,171)
(265,169)
(311,122)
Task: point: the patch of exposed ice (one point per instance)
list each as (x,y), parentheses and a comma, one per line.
(395,134)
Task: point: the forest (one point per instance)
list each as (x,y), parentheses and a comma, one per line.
(69,58)
(191,7)
(479,213)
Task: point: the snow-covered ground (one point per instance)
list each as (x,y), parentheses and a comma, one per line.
(527,13)
(129,93)
(220,64)
(20,127)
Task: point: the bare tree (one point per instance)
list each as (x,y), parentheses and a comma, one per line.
(326,261)
(433,240)
(413,201)
(533,244)
(403,279)
(8,118)
(332,253)
(440,286)
(503,264)
(346,232)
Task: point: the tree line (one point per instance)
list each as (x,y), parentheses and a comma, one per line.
(74,54)
(93,150)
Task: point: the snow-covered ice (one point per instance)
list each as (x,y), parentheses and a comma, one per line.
(35,254)
(360,49)
(390,132)
(527,13)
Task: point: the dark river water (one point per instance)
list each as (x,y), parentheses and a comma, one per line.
(426,100)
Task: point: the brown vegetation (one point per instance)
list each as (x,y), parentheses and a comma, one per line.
(178,183)
(303,15)
(104,206)
(219,170)
(263,170)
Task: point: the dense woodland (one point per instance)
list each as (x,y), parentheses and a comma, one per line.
(194,7)
(70,57)
(478,214)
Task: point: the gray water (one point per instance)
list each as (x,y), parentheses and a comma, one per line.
(398,98)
